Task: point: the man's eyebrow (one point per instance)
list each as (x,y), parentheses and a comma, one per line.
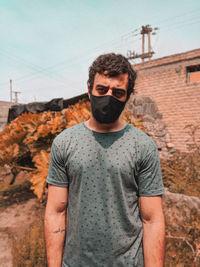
(106,87)
(121,89)
(102,86)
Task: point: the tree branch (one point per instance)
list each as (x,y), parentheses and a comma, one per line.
(184,239)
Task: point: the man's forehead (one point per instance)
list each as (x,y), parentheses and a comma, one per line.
(123,77)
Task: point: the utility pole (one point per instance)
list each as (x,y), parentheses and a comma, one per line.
(11,91)
(16,96)
(146,30)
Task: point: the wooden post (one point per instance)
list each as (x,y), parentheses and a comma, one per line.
(11,91)
(143,42)
(149,44)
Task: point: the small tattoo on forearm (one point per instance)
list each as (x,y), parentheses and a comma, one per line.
(59,231)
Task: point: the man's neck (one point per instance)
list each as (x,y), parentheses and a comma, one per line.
(104,127)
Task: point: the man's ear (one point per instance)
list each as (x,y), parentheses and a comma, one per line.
(89,93)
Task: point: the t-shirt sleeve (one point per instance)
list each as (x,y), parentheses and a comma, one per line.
(57,174)
(150,181)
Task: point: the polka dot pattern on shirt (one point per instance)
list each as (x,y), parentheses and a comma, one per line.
(105,174)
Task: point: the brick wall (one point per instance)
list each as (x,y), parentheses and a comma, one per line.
(165,81)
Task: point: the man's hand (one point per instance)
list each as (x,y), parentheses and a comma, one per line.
(55,224)
(154,230)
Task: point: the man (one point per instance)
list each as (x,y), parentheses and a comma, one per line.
(108,175)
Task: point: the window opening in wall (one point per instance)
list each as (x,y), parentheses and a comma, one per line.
(193,74)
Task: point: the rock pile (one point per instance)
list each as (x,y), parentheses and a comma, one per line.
(155,126)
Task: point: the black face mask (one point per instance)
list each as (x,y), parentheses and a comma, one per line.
(106,109)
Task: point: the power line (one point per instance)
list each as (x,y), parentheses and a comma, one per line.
(177,16)
(180,23)
(31,66)
(64,65)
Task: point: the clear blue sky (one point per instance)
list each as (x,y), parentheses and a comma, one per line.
(47,46)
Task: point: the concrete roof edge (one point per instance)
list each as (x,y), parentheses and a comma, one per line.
(192,54)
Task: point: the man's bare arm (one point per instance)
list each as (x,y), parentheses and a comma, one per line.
(154,230)
(55,224)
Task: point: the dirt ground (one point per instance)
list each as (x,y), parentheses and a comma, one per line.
(19,208)
(14,223)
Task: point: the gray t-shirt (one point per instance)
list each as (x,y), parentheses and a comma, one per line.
(105,173)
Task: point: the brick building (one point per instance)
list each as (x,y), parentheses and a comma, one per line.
(167,95)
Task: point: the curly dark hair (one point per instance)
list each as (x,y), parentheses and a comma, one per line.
(114,64)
